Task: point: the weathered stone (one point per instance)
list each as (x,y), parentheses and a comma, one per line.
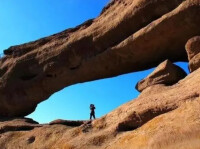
(193,50)
(30,139)
(17,124)
(141,34)
(67,122)
(154,120)
(162,117)
(166,73)
(193,47)
(194,63)
(176,129)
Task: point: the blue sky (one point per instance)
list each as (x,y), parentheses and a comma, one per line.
(27,20)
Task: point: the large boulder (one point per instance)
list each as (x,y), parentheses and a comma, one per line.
(194,63)
(166,73)
(142,34)
(193,47)
(193,51)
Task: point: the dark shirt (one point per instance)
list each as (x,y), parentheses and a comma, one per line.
(92,109)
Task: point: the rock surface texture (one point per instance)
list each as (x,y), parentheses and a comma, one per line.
(193,47)
(166,73)
(162,117)
(193,51)
(67,122)
(194,63)
(142,34)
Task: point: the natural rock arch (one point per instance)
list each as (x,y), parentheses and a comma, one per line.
(100,48)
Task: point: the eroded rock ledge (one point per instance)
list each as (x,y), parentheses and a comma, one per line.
(165,73)
(145,33)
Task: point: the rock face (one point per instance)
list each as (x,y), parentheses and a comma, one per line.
(193,51)
(162,117)
(142,34)
(17,124)
(194,63)
(176,129)
(166,73)
(193,47)
(67,122)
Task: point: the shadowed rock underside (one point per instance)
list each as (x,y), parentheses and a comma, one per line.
(142,34)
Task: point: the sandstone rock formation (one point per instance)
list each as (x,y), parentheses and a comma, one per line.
(17,124)
(142,34)
(162,117)
(67,122)
(178,129)
(194,63)
(193,51)
(166,73)
(193,47)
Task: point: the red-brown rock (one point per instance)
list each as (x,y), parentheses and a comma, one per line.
(17,124)
(193,51)
(161,117)
(141,34)
(166,73)
(193,47)
(67,122)
(194,63)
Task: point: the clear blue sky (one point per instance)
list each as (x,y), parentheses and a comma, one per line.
(27,20)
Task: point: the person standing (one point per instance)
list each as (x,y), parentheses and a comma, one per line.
(92,112)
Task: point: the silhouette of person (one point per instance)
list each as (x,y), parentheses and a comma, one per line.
(92,113)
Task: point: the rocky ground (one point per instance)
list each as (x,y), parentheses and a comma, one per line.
(146,33)
(169,117)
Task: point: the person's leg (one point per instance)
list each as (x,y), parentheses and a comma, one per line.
(90,116)
(94,115)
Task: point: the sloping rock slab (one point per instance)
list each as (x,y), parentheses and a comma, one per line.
(179,129)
